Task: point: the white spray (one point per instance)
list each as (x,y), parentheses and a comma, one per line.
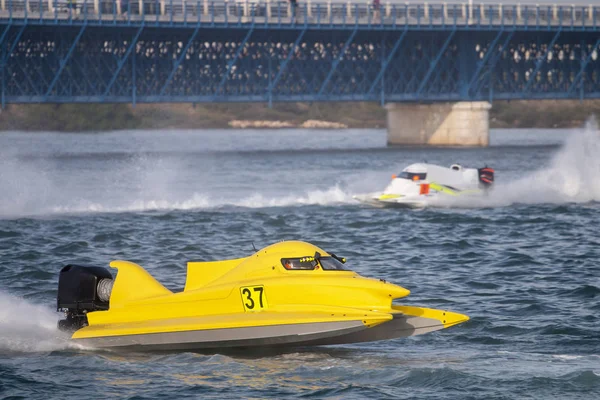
(572,176)
(26,327)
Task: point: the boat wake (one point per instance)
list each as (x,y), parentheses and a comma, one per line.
(28,328)
(38,187)
(335,195)
(572,176)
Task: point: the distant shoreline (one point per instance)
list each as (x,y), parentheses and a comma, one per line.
(107,117)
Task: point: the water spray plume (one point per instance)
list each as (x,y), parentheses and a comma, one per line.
(26,327)
(573,175)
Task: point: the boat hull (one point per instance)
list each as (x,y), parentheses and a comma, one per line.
(299,334)
(374,201)
(255,336)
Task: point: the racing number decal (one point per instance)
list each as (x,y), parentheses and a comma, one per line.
(254,298)
(250,303)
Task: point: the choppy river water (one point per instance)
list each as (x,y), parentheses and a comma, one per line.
(524,264)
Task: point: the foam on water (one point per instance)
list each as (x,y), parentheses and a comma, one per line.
(333,195)
(26,327)
(84,206)
(311,197)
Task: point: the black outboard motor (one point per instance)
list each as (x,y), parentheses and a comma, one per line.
(82,290)
(486,176)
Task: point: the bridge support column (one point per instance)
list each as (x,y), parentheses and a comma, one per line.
(438,124)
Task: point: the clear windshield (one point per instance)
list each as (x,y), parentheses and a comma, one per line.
(413,176)
(304,263)
(331,264)
(310,263)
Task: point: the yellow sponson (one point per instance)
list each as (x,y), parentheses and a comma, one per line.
(255,291)
(446,190)
(446,318)
(443,189)
(389,196)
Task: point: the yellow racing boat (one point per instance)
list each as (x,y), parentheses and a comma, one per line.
(288,294)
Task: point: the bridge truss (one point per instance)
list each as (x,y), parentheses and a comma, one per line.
(196,51)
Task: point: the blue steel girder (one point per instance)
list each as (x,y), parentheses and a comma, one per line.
(232,62)
(408,78)
(96,83)
(584,64)
(482,63)
(4,33)
(442,73)
(287,63)
(387,61)
(12,47)
(495,57)
(74,82)
(64,61)
(2,75)
(4,60)
(74,79)
(122,61)
(133,81)
(26,76)
(433,65)
(540,62)
(179,60)
(336,61)
(85,74)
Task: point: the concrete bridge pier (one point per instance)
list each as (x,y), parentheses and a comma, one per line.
(439,124)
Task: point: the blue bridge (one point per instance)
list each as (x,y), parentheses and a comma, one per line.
(129,51)
(265,51)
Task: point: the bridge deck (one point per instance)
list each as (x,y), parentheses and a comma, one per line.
(314,14)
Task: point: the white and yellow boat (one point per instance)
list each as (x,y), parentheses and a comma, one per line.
(421,185)
(288,294)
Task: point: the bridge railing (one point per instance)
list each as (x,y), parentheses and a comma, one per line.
(307,12)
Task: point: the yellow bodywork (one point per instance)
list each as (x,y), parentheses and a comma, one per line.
(446,190)
(248,292)
(389,196)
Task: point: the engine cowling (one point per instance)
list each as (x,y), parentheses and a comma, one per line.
(82,289)
(486,176)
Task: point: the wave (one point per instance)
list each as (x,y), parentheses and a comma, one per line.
(335,195)
(28,328)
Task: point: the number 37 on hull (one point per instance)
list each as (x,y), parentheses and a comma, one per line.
(254,298)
